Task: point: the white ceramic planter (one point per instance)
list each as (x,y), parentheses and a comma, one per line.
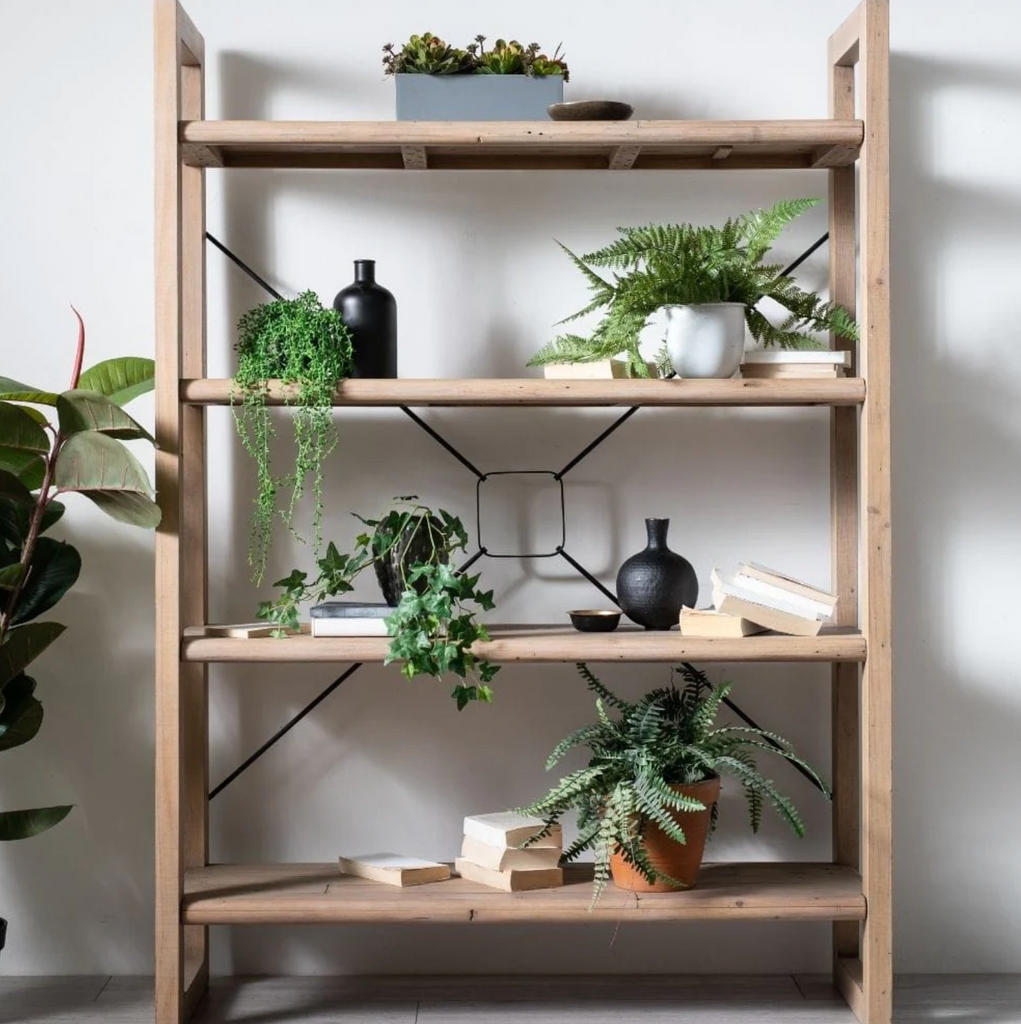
(705,340)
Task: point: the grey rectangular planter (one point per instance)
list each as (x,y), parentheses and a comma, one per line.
(476,97)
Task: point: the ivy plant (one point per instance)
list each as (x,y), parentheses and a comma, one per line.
(434,626)
(52,445)
(682,264)
(665,738)
(299,343)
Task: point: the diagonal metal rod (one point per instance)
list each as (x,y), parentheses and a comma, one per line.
(597,442)
(281,733)
(443,442)
(240,263)
(578,567)
(804,256)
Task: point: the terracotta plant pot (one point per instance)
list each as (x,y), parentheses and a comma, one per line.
(673,859)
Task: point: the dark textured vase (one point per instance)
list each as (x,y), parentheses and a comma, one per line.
(369,312)
(3,933)
(654,584)
(414,545)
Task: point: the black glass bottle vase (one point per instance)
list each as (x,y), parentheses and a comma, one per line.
(370,313)
(654,584)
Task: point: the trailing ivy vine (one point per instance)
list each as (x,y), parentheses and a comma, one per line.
(300,343)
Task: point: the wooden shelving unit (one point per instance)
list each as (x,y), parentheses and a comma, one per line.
(851,147)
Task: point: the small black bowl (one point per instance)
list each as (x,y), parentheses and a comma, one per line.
(595,620)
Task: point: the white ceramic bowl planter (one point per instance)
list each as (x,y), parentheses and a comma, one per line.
(706,340)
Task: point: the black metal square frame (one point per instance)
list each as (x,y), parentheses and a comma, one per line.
(556,477)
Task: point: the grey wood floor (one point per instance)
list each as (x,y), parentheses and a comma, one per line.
(808,999)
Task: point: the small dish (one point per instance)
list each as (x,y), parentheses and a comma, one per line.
(590,110)
(595,620)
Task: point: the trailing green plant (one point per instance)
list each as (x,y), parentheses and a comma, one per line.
(433,626)
(682,264)
(40,461)
(300,343)
(429,55)
(666,738)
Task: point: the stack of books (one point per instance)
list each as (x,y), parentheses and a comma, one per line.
(776,364)
(348,618)
(772,600)
(492,853)
(708,622)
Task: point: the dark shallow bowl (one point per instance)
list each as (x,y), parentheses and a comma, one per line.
(590,110)
(592,620)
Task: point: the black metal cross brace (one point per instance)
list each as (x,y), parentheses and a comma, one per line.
(481,478)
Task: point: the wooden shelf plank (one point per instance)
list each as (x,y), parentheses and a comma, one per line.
(502,145)
(319,894)
(539,644)
(509,391)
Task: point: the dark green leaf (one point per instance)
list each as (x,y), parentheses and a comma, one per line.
(12,488)
(22,715)
(55,568)
(20,432)
(10,575)
(89,410)
(121,379)
(23,645)
(25,824)
(15,391)
(108,474)
(28,467)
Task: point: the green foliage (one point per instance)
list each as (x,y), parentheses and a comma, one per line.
(429,55)
(666,738)
(433,627)
(81,452)
(681,264)
(298,342)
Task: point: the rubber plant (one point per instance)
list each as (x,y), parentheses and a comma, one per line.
(299,343)
(681,264)
(433,626)
(666,738)
(75,446)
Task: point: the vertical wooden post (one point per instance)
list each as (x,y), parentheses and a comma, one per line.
(877,702)
(181,747)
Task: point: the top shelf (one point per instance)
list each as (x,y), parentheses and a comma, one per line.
(523,145)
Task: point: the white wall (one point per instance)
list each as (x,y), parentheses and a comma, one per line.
(479,281)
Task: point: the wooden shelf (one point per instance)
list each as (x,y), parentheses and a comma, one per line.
(522,145)
(538,644)
(837,391)
(319,894)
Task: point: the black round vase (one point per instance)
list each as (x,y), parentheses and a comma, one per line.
(369,312)
(3,933)
(415,545)
(654,584)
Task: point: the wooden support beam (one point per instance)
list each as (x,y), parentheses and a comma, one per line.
(835,156)
(623,157)
(415,158)
(844,44)
(847,979)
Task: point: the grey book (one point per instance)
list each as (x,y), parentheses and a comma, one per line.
(350,610)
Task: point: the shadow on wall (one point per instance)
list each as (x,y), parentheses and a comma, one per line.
(957,495)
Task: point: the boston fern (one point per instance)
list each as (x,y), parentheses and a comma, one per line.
(681,264)
(666,738)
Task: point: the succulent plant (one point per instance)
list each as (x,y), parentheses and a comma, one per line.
(426,55)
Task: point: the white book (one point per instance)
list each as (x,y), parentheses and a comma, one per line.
(394,869)
(499,858)
(797,355)
(790,604)
(782,580)
(510,881)
(507,829)
(768,593)
(349,627)
(599,369)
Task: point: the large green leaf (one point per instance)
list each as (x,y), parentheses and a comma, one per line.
(22,715)
(28,467)
(89,410)
(109,475)
(54,570)
(121,379)
(20,432)
(25,824)
(15,391)
(11,487)
(23,645)
(53,513)
(9,576)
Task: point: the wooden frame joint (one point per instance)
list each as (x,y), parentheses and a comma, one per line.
(723,152)
(415,158)
(623,157)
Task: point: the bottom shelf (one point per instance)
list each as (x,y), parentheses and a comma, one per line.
(319,894)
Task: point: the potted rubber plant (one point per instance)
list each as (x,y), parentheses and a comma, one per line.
(710,282)
(646,801)
(439,82)
(433,622)
(298,343)
(52,445)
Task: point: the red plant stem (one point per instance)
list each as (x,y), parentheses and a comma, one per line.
(77,372)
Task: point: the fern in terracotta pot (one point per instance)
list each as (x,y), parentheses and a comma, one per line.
(646,800)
